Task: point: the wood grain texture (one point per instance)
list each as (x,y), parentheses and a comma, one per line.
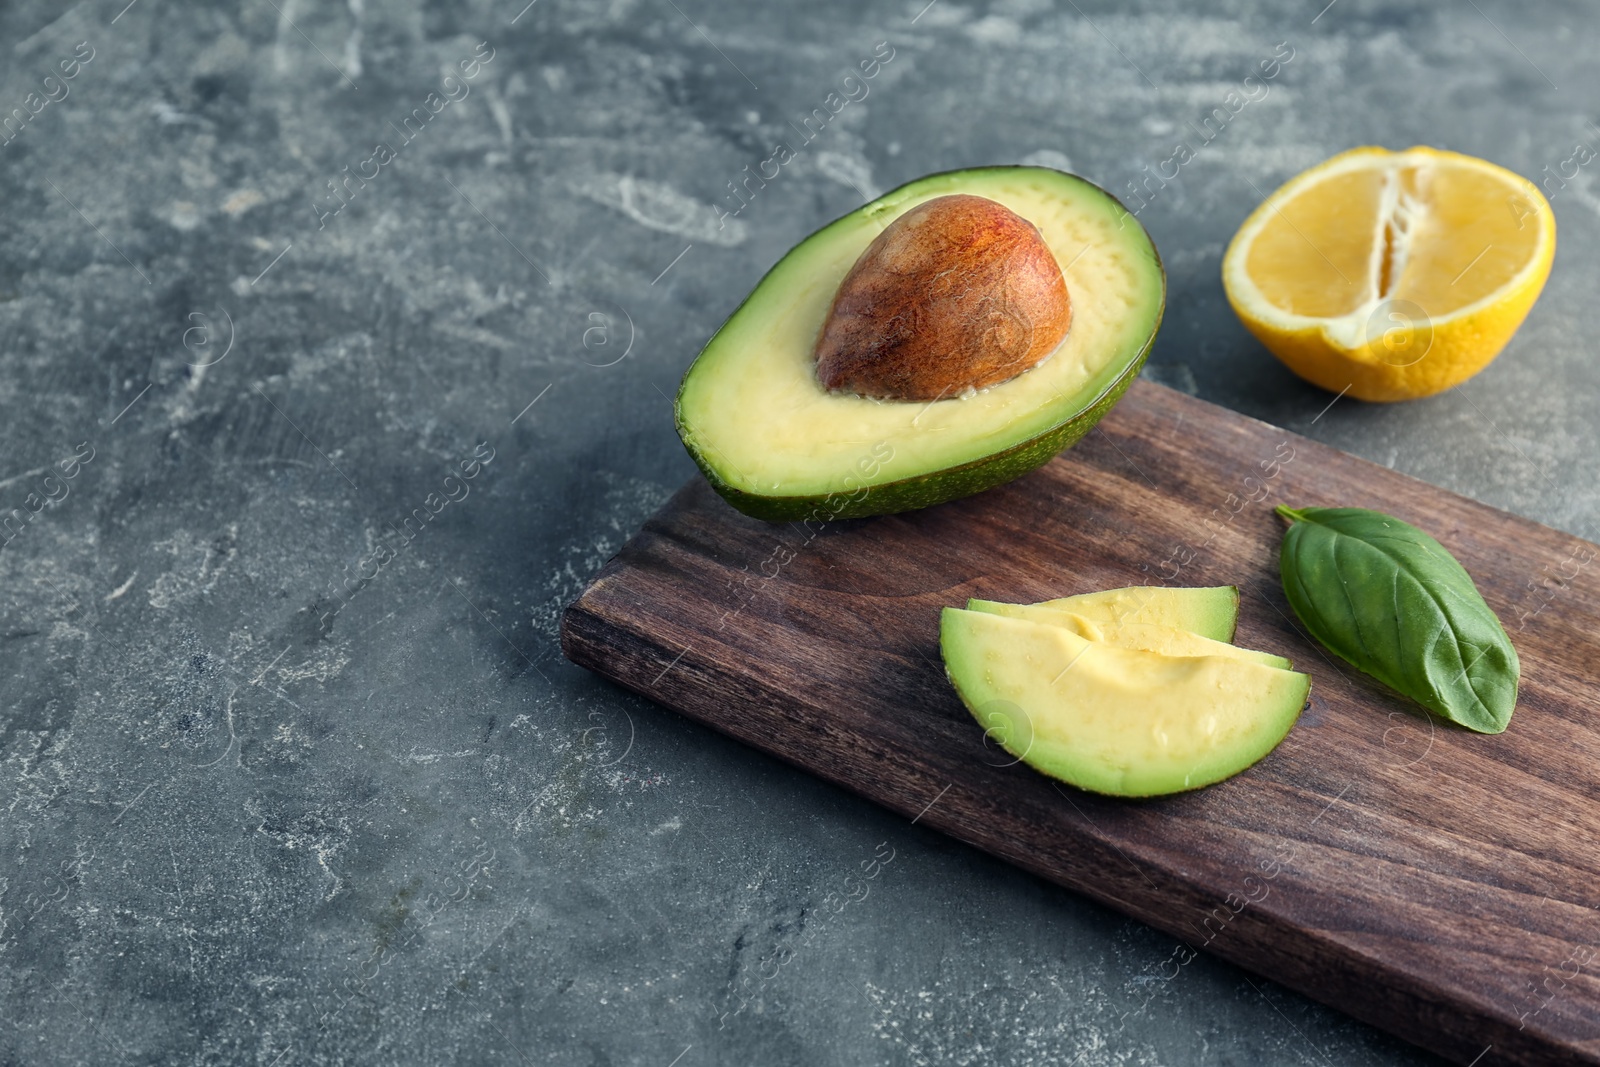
(1439,884)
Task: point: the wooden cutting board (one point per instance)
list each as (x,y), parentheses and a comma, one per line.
(1439,884)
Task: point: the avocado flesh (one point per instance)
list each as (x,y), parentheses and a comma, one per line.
(1210,611)
(779,446)
(1112,720)
(1140,635)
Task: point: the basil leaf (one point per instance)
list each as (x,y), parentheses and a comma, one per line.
(1395,604)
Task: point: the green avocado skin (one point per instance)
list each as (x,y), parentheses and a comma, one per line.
(935,487)
(949,483)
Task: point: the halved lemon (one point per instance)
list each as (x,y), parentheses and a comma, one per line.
(1391,275)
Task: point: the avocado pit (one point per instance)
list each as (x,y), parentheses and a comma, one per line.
(958,294)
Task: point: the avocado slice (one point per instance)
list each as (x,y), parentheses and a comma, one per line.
(1211,611)
(778,446)
(1150,638)
(1112,720)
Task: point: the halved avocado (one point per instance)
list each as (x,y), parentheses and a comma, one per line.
(1116,720)
(1210,611)
(777,445)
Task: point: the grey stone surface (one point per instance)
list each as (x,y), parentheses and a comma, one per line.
(246,819)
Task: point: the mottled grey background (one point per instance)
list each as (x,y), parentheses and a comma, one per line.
(243,822)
